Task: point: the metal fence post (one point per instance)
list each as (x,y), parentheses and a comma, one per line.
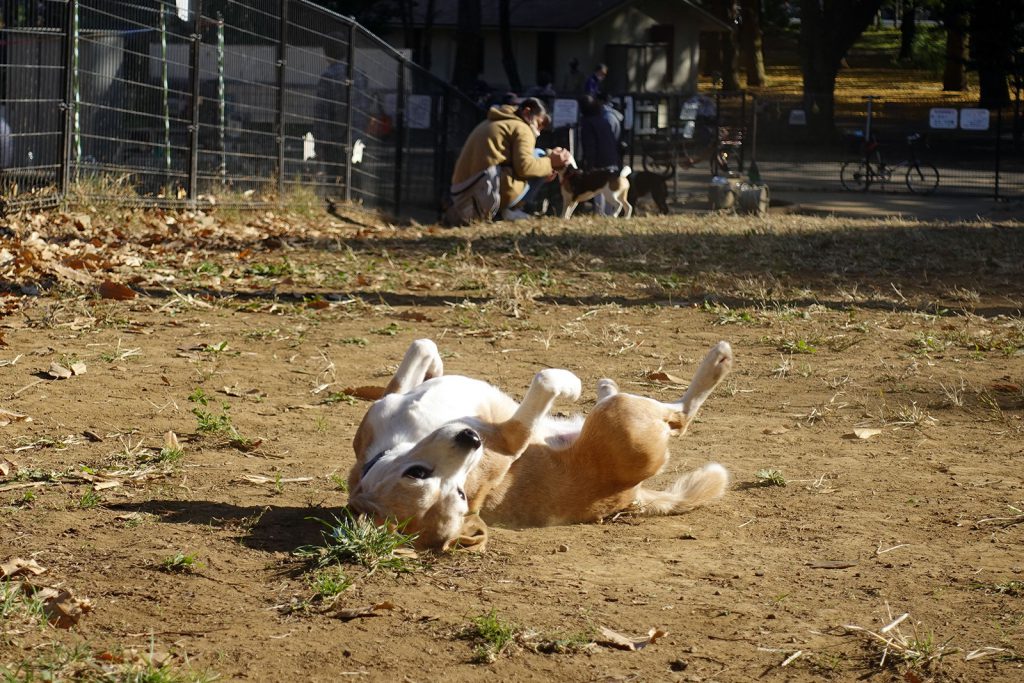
(400,135)
(349,79)
(439,123)
(999,147)
(67,106)
(281,68)
(196,79)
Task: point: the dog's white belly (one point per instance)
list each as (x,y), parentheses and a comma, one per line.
(412,416)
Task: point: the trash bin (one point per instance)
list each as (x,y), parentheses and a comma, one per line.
(722,193)
(752,199)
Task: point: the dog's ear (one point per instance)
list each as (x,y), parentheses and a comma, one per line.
(472,537)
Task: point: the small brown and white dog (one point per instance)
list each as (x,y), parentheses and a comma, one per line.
(447,454)
(579,186)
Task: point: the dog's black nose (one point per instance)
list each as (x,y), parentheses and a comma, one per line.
(468,438)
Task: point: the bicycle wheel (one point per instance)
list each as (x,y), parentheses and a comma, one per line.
(922,178)
(855,175)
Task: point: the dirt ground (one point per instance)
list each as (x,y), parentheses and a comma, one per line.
(872,426)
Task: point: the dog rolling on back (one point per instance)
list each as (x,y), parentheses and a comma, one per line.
(448,455)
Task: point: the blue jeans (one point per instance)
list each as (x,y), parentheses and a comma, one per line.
(533,185)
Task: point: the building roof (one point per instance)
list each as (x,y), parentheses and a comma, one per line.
(539,15)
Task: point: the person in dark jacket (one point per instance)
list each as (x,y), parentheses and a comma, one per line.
(599,146)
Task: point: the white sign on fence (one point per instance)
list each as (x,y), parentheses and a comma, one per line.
(942,118)
(974,119)
(564,112)
(797,117)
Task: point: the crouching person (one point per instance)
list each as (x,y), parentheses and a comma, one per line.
(499,165)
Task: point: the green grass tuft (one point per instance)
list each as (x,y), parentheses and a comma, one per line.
(358,539)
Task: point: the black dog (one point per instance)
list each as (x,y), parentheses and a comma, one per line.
(644,182)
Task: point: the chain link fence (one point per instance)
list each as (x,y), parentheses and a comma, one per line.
(170,102)
(167,102)
(977,152)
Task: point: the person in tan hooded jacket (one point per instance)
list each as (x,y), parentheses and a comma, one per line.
(499,159)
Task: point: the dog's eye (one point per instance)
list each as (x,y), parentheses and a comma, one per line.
(417,472)
(462,494)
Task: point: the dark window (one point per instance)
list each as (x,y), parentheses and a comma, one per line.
(545,56)
(666,33)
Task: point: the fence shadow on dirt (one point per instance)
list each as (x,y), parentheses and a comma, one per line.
(889,266)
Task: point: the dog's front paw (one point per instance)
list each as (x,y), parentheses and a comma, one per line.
(561,383)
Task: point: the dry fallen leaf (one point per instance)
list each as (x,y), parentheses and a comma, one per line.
(62,609)
(832,564)
(6,467)
(621,642)
(775,431)
(660,376)
(862,433)
(237,392)
(260,479)
(20,567)
(370,611)
(7,417)
(365,393)
(171,441)
(61,371)
(116,291)
(415,316)
(58,371)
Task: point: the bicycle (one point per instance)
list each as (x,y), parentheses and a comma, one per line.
(664,152)
(920,177)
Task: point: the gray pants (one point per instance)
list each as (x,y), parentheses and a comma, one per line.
(476,199)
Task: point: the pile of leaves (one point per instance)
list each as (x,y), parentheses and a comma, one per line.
(115,251)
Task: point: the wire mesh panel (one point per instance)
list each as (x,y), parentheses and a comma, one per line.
(130,97)
(239,89)
(32,87)
(973,153)
(318,88)
(163,101)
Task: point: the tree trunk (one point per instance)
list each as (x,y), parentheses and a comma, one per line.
(751,42)
(469,46)
(710,53)
(828,28)
(991,38)
(728,42)
(954,75)
(508,57)
(908,31)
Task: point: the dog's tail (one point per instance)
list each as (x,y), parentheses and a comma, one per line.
(626,170)
(693,489)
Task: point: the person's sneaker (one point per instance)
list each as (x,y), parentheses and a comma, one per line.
(513,215)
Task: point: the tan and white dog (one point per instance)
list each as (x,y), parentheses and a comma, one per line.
(446,454)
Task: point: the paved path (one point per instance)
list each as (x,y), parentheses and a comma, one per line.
(693,194)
